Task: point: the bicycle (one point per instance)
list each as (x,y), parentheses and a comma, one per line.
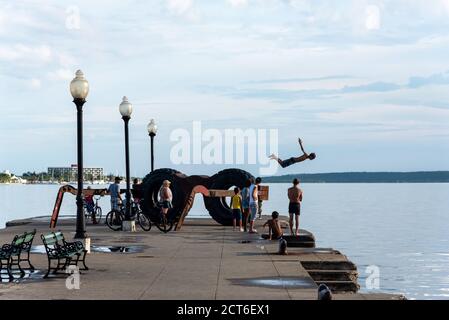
(143,221)
(163,224)
(94,212)
(115,217)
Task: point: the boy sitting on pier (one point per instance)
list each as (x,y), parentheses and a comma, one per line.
(274,227)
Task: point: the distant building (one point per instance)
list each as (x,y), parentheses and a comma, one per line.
(70,173)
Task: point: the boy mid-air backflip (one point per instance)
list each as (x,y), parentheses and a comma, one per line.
(293,160)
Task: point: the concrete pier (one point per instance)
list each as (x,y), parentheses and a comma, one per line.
(202,261)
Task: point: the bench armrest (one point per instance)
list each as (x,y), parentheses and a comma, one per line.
(6,247)
(56,252)
(77,245)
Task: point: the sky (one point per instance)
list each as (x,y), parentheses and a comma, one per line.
(365,84)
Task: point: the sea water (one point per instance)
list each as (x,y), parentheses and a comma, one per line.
(397,233)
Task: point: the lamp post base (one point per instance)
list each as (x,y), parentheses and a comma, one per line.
(80,235)
(129,225)
(86,243)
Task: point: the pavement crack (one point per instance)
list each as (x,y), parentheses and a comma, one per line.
(219,265)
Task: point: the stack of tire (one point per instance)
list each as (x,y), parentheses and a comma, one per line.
(182,186)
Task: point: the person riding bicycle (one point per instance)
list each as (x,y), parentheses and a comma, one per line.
(166,197)
(90,205)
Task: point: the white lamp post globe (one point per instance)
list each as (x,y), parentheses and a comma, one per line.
(152,127)
(126,108)
(79,86)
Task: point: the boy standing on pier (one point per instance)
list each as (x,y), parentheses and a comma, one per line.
(114,192)
(253,205)
(236,206)
(245,204)
(294,207)
(259,200)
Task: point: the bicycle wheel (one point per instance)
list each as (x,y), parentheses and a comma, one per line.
(86,213)
(164,225)
(144,222)
(98,214)
(114,220)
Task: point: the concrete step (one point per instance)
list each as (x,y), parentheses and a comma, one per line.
(333,275)
(301,241)
(329,265)
(303,244)
(341,286)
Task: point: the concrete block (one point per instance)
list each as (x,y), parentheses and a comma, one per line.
(129,226)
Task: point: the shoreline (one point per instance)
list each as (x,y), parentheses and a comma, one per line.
(267,182)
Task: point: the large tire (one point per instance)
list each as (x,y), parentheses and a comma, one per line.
(151,185)
(218,207)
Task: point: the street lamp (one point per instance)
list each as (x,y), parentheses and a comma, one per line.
(152,130)
(79,88)
(126,109)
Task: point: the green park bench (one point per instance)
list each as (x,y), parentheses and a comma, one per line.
(65,253)
(16,252)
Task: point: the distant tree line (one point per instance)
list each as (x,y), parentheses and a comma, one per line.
(34,176)
(5,178)
(364,177)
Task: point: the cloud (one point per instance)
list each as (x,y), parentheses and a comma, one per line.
(35,83)
(238,3)
(285,95)
(445,4)
(372,87)
(435,79)
(179,7)
(306,56)
(372,20)
(301,5)
(184,8)
(26,53)
(391,116)
(61,74)
(287,80)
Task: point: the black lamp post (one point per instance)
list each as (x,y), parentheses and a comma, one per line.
(79,88)
(126,110)
(152,130)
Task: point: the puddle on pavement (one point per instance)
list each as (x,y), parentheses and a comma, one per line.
(275,282)
(101,249)
(35,275)
(117,249)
